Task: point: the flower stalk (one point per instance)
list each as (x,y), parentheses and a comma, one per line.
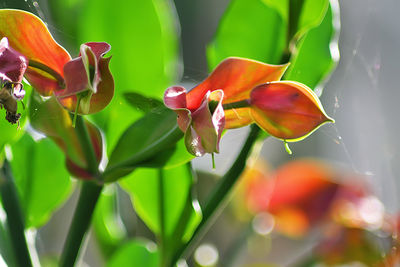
(90,193)
(15,221)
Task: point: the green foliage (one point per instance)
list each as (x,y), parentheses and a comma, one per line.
(41,178)
(309,14)
(108,226)
(158,134)
(164,201)
(144,41)
(135,253)
(142,103)
(316,54)
(249,28)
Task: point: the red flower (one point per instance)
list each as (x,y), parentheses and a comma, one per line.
(239,92)
(12,68)
(86,79)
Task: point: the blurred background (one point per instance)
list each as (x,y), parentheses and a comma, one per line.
(358,155)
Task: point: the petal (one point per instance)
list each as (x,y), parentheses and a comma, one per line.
(76,79)
(236,77)
(77,71)
(287,110)
(175,99)
(193,143)
(28,35)
(208,126)
(12,63)
(99,100)
(238,117)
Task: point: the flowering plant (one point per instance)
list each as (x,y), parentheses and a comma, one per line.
(76,125)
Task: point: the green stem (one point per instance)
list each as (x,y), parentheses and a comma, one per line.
(87,147)
(239,104)
(53,73)
(15,220)
(215,203)
(161,210)
(78,102)
(88,197)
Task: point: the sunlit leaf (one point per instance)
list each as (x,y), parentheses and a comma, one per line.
(135,253)
(108,226)
(164,201)
(249,28)
(317,53)
(144,41)
(41,178)
(142,141)
(309,14)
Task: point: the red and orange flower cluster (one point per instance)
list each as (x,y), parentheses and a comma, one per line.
(82,85)
(240,92)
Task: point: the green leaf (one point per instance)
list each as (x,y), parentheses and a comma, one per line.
(317,52)
(163,199)
(145,50)
(109,229)
(143,140)
(312,13)
(142,103)
(41,178)
(61,12)
(281,6)
(135,253)
(251,29)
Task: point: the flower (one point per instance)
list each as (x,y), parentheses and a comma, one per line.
(240,92)
(85,80)
(12,68)
(85,76)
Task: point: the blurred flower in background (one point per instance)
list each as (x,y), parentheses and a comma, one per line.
(333,211)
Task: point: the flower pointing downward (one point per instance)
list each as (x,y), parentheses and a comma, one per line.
(82,85)
(12,68)
(240,92)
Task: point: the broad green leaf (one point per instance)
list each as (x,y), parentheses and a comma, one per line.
(143,140)
(163,200)
(108,226)
(41,178)
(312,13)
(282,6)
(144,40)
(135,253)
(251,29)
(61,12)
(317,52)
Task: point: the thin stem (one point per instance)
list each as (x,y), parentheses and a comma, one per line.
(239,104)
(78,102)
(88,197)
(87,147)
(161,210)
(47,69)
(215,203)
(15,220)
